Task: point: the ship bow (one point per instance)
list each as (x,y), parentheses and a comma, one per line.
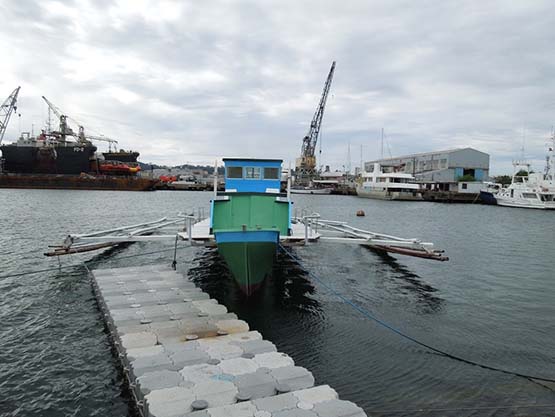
(249,255)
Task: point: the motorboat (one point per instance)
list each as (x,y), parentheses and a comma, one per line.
(527,190)
(388,185)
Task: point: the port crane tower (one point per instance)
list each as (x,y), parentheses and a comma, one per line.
(65,130)
(8,107)
(306,164)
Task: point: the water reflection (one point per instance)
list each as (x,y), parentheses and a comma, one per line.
(287,289)
(410,283)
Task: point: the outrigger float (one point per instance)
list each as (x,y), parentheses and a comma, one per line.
(248,222)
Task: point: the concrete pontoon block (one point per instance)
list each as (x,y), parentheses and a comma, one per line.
(151,363)
(202,413)
(169,402)
(273,360)
(316,394)
(338,408)
(255,346)
(171,409)
(238,366)
(215,392)
(210,308)
(199,373)
(157,380)
(182,308)
(278,403)
(245,409)
(293,376)
(244,336)
(296,412)
(181,346)
(136,353)
(138,340)
(256,385)
(223,350)
(232,326)
(187,357)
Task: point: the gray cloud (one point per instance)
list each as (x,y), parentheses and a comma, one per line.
(192,81)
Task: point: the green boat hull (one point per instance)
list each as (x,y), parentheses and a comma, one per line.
(250,262)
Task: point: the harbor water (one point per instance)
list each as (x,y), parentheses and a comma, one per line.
(492,303)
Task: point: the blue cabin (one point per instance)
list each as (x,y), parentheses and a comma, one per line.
(252,175)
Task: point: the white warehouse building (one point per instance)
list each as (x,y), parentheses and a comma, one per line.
(441,168)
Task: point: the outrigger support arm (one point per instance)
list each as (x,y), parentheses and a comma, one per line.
(78,243)
(343,233)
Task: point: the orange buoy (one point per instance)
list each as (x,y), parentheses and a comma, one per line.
(360,213)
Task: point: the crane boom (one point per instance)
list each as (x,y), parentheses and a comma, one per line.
(306,164)
(65,130)
(6,110)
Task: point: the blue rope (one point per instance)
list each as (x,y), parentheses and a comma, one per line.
(382,323)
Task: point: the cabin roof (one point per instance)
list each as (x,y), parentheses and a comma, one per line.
(252,160)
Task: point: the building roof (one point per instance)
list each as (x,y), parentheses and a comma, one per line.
(415,155)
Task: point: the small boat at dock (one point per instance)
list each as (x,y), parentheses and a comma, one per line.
(527,190)
(388,185)
(249,217)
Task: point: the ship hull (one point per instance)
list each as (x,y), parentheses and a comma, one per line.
(72,159)
(389,194)
(121,156)
(250,256)
(76,182)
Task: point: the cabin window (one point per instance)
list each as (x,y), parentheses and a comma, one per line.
(234,172)
(529,195)
(271,173)
(252,173)
(465,186)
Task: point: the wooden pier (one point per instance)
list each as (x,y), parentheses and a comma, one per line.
(186,355)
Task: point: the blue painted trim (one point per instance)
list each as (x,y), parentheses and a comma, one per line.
(211,213)
(250,236)
(290,209)
(259,184)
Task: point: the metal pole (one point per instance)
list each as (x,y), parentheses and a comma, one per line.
(216,178)
(190,230)
(305,231)
(174,263)
(289,183)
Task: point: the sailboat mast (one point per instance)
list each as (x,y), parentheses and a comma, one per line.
(382,145)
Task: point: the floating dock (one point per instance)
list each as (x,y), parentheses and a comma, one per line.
(184,354)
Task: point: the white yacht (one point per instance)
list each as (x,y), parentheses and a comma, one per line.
(388,185)
(527,190)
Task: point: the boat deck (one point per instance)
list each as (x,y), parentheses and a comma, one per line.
(186,355)
(201,234)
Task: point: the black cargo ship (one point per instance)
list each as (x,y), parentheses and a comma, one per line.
(39,155)
(51,160)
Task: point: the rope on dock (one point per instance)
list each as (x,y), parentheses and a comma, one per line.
(382,323)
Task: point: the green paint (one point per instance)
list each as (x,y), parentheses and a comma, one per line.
(250,262)
(257,212)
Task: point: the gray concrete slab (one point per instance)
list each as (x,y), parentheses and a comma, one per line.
(181,350)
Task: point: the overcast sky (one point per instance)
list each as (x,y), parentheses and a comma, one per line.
(192,81)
